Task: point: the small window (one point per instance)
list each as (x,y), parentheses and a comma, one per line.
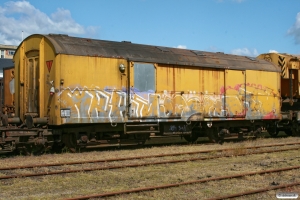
(144,77)
(2,53)
(11,53)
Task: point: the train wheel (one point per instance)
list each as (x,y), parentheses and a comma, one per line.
(289,132)
(191,138)
(212,135)
(31,150)
(272,130)
(273,133)
(70,142)
(141,138)
(38,149)
(57,147)
(24,151)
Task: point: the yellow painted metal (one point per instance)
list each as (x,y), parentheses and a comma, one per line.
(90,71)
(49,78)
(28,49)
(184,89)
(96,91)
(131,74)
(189,79)
(294,64)
(283,61)
(31,53)
(41,78)
(287,63)
(19,60)
(263,89)
(235,93)
(91,87)
(73,78)
(31,83)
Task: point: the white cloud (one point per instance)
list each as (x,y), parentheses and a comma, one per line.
(273,51)
(295,29)
(181,47)
(214,49)
(21,16)
(245,52)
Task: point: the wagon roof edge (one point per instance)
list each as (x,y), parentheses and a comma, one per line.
(69,45)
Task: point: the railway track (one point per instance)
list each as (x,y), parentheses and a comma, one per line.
(249,192)
(105,162)
(204,181)
(143,157)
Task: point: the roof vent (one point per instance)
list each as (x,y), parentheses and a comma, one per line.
(199,53)
(163,49)
(251,58)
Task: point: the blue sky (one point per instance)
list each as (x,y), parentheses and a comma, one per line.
(242,27)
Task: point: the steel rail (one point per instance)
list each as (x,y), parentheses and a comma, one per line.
(255,191)
(142,157)
(185,183)
(138,165)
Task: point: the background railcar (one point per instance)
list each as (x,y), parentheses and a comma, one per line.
(6,67)
(83,92)
(290,92)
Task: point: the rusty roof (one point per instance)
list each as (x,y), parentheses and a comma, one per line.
(65,44)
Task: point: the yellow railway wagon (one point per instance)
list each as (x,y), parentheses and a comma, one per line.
(84,92)
(289,66)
